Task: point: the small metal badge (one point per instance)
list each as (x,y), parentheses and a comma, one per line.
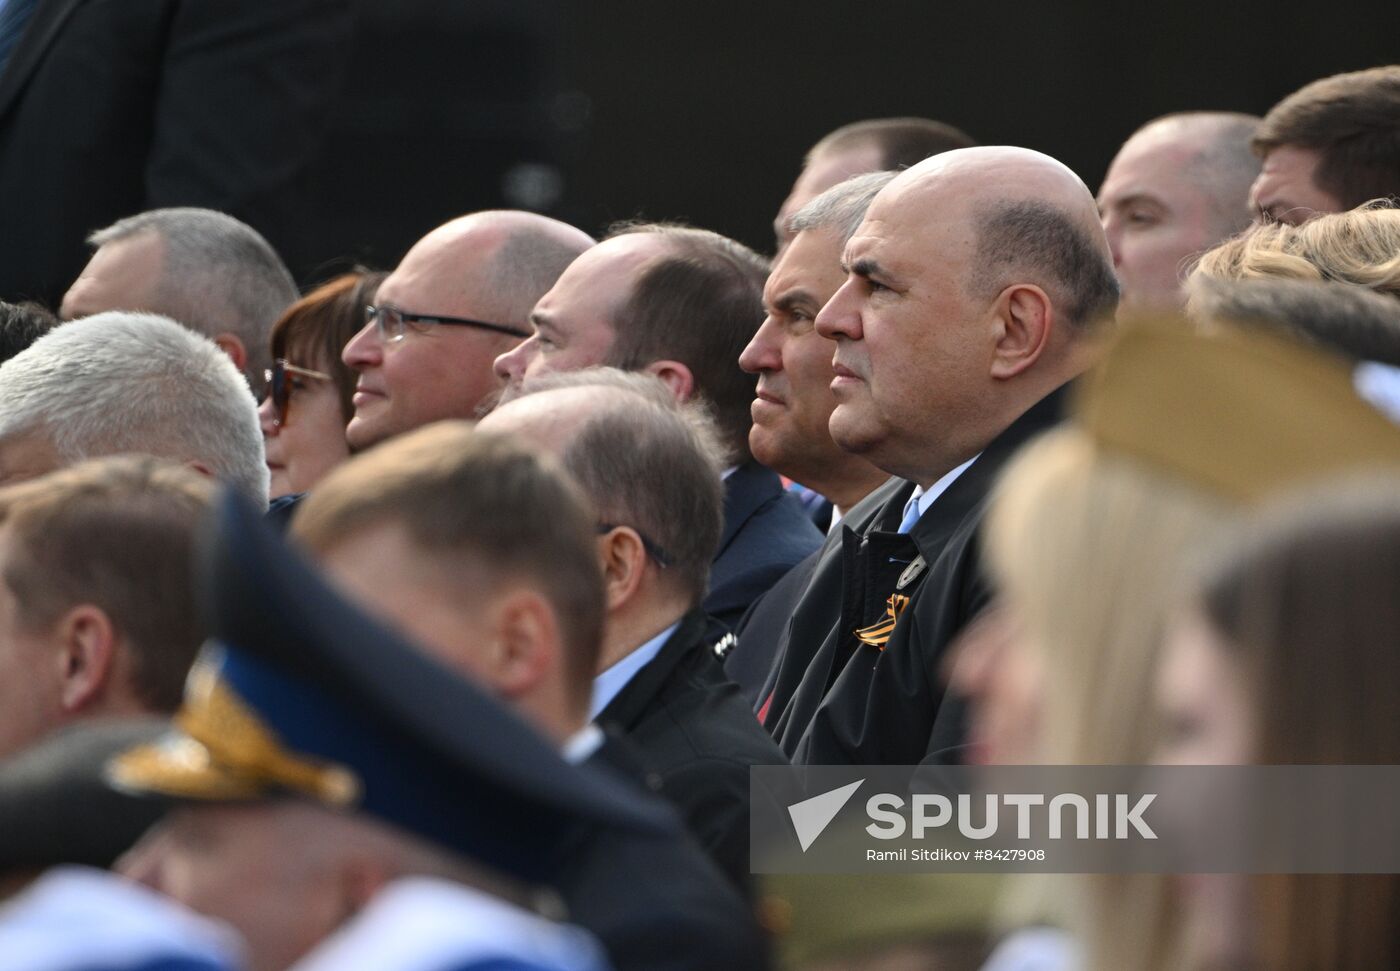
(724,646)
(911,572)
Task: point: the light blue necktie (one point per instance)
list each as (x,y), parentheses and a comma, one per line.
(911,513)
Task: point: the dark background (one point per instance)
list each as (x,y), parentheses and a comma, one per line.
(596,110)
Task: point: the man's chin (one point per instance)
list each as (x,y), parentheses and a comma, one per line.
(361,433)
(852,431)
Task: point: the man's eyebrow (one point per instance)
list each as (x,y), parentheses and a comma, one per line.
(1132,199)
(795,298)
(867,267)
(541,321)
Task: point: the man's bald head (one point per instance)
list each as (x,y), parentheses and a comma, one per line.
(1176,188)
(646,460)
(511,255)
(968,287)
(486,270)
(1024,217)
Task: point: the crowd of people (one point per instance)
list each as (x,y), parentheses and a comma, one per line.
(434,619)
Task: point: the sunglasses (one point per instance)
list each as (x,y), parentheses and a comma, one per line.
(282,379)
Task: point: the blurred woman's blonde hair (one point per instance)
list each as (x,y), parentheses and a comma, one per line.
(1088,546)
(1361,247)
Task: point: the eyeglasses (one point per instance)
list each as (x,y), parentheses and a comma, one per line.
(662,558)
(281,381)
(390,323)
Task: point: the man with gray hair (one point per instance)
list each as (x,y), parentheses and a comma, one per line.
(127,382)
(793,401)
(460,297)
(1177,187)
(651,466)
(201,268)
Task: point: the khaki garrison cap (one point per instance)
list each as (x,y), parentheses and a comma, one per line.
(1239,413)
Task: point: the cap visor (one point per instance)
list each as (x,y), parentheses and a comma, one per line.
(179,767)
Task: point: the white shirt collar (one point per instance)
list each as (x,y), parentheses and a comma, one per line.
(582,744)
(607,685)
(836,513)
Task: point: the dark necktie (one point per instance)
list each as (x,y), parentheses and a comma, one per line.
(14,17)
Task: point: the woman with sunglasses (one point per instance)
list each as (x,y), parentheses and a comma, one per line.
(309,387)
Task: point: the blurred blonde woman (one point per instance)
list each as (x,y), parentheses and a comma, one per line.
(1360,247)
(1084,545)
(1176,435)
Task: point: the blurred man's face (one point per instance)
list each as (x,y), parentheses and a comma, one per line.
(573,322)
(122,275)
(258,866)
(1157,217)
(30,706)
(385,571)
(1285,192)
(793,402)
(435,371)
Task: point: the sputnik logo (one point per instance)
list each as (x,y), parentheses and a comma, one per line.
(811,817)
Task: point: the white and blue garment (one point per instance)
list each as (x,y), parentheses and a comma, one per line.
(421,924)
(81,919)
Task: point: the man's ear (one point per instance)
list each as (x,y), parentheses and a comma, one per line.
(232,345)
(624,559)
(87,657)
(676,376)
(526,641)
(1025,318)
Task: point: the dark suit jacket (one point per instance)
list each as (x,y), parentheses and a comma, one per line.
(655,902)
(698,734)
(111,107)
(749,661)
(766,533)
(832,699)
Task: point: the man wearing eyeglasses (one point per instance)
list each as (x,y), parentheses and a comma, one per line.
(460,297)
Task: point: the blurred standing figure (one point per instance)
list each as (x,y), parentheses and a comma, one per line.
(1329,146)
(112,108)
(1177,187)
(306,442)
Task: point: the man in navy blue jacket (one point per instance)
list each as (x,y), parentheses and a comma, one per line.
(680,303)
